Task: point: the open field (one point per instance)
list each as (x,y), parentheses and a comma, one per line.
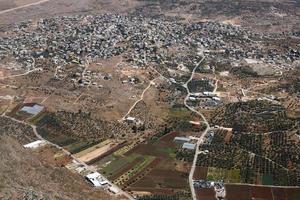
(200,173)
(116,167)
(259,192)
(95,152)
(148,168)
(206,194)
(228,176)
(9,4)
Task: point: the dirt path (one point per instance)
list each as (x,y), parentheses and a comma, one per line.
(140,99)
(24,6)
(17,75)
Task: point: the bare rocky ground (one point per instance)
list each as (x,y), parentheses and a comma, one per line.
(63,7)
(37,175)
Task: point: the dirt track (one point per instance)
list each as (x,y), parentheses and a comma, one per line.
(50,8)
(19,5)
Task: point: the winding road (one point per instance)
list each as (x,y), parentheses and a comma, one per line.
(199,140)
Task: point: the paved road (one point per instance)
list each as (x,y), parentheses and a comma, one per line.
(24,6)
(199,140)
(68,153)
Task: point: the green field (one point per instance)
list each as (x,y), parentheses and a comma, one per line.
(228,176)
(119,164)
(80,146)
(138,167)
(267,179)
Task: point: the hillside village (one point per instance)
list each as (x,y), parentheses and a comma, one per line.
(155,108)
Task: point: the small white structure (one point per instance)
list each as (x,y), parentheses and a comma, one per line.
(192,99)
(196,94)
(94,178)
(105,182)
(194,122)
(35,144)
(113,190)
(182,139)
(209,94)
(216,98)
(130,119)
(189,146)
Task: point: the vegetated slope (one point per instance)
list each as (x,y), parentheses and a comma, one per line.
(78,126)
(264,145)
(36,174)
(256,116)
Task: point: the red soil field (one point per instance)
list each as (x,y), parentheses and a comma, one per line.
(200,173)
(261,192)
(169,137)
(248,192)
(205,193)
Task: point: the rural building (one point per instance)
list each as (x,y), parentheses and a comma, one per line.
(130,119)
(216,98)
(35,144)
(113,189)
(182,139)
(105,182)
(209,94)
(33,110)
(94,178)
(189,146)
(197,94)
(192,99)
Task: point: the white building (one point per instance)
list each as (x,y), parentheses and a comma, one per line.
(35,144)
(94,178)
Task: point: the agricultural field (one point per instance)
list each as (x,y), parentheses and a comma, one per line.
(265,152)
(98,151)
(206,194)
(150,167)
(233,192)
(228,176)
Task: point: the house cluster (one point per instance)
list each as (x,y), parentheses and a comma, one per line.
(86,78)
(204,100)
(65,40)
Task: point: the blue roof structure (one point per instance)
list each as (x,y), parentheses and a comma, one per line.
(36,109)
(189,146)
